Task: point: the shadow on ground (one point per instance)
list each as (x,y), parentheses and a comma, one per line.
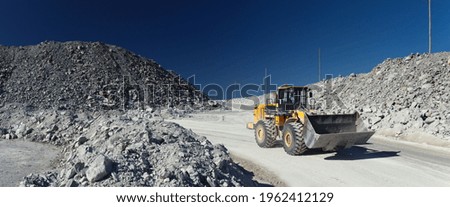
(360,153)
(278,144)
(248,178)
(353,153)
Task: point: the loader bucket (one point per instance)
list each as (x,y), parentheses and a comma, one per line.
(331,132)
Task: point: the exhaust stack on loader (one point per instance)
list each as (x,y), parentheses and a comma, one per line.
(290,117)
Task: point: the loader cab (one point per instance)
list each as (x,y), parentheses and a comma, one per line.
(293,97)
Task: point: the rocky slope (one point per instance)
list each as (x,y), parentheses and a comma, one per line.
(89,76)
(409,94)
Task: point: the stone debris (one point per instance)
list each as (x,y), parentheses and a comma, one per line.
(405,94)
(105,107)
(132,148)
(90,76)
(39,180)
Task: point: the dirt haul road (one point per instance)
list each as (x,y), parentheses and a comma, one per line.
(381,162)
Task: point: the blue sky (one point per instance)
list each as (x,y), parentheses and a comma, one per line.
(234,41)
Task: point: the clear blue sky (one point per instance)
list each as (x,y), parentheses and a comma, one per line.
(227,41)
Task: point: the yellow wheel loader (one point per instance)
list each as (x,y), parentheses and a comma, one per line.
(289,116)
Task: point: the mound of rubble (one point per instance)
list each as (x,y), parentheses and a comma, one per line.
(105,107)
(91,76)
(134,148)
(409,94)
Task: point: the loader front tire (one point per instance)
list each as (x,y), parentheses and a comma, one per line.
(293,141)
(265,134)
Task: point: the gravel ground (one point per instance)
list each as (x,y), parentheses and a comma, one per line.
(20,158)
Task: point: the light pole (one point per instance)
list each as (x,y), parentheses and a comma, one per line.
(429,26)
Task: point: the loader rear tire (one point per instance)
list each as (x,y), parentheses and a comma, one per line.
(293,141)
(265,134)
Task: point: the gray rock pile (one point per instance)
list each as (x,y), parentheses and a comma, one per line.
(91,76)
(407,94)
(105,107)
(133,148)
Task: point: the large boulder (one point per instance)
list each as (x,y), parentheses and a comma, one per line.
(99,169)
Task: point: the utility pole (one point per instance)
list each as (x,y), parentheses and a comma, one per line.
(429,26)
(265,86)
(319,66)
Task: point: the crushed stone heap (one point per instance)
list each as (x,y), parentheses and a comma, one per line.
(112,148)
(407,94)
(72,94)
(89,76)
